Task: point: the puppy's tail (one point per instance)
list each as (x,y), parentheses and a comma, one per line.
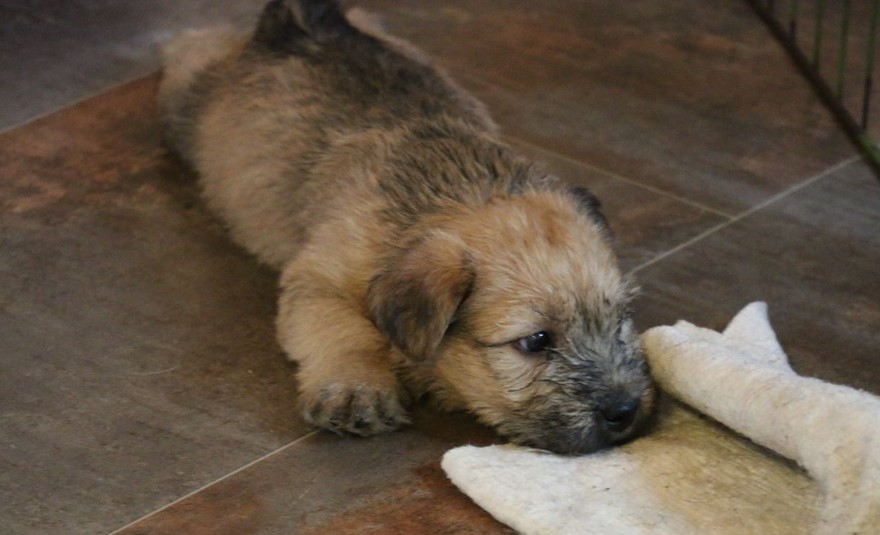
(282,30)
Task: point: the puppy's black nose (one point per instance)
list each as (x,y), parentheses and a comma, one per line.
(619,415)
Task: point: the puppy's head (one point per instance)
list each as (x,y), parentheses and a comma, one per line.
(518,312)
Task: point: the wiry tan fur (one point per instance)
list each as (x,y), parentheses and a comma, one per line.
(417,252)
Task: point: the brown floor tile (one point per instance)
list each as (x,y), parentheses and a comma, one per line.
(690,96)
(138,354)
(57,52)
(389,484)
(811,256)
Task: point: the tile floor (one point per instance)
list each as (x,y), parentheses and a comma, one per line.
(141,390)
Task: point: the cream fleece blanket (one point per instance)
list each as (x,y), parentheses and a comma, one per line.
(692,475)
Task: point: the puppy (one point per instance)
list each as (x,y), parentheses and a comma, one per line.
(419,254)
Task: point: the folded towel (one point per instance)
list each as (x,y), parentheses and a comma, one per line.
(693,475)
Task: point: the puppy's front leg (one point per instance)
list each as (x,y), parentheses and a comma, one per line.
(346,370)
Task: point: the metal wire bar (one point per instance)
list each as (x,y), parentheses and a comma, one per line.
(793,16)
(841,48)
(869,63)
(817,35)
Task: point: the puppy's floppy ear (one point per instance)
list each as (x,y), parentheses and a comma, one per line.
(414,300)
(590,206)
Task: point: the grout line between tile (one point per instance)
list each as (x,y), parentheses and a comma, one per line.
(78,100)
(760,206)
(218,480)
(620,177)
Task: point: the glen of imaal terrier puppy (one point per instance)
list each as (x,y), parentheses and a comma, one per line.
(418,253)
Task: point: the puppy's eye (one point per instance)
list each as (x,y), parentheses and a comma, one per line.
(534,343)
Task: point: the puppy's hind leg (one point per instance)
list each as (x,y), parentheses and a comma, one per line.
(346,372)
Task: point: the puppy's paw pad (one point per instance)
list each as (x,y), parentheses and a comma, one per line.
(359,410)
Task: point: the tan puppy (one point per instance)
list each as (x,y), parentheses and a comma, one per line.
(418,253)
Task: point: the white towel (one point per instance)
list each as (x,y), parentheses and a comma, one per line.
(692,475)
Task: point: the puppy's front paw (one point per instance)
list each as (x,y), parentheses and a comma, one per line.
(358,410)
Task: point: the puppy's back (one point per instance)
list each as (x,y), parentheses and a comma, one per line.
(270,121)
(366,75)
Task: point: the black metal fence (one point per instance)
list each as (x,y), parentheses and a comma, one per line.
(834,43)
